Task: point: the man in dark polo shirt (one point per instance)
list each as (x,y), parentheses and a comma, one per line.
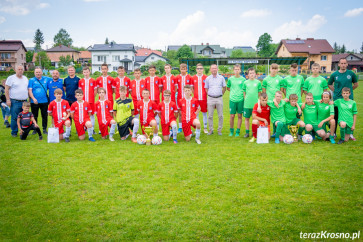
(337,81)
(70,85)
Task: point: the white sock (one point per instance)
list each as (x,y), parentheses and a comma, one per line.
(90,132)
(197,133)
(92,117)
(156,134)
(137,115)
(68,131)
(205,119)
(157,118)
(136,127)
(112,130)
(175,130)
(180,125)
(64,135)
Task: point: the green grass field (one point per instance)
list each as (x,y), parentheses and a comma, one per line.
(224,189)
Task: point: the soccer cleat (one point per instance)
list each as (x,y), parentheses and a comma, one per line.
(198,141)
(99,132)
(230,134)
(351,137)
(273,135)
(44,131)
(180,130)
(111,138)
(246,135)
(40,137)
(252,140)
(340,142)
(237,135)
(14,135)
(277,140)
(210,133)
(332,140)
(175,141)
(66,139)
(206,131)
(91,139)
(133,139)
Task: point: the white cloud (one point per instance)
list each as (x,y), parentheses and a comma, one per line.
(21,7)
(293,28)
(196,29)
(2,19)
(255,13)
(15,10)
(353,12)
(43,5)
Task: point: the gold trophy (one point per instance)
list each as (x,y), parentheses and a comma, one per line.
(148,132)
(294,129)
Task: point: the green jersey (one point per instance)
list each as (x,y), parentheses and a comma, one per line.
(236,84)
(293,85)
(342,80)
(324,111)
(311,114)
(272,85)
(290,112)
(277,113)
(251,88)
(124,110)
(316,86)
(346,110)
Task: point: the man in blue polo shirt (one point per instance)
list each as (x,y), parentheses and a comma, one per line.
(38,97)
(53,84)
(70,85)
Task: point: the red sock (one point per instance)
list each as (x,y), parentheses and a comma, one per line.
(254,130)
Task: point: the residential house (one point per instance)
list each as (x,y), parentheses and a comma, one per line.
(147,52)
(316,50)
(56,52)
(84,57)
(354,61)
(12,53)
(146,60)
(114,55)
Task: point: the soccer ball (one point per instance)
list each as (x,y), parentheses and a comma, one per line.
(288,139)
(156,140)
(307,139)
(141,139)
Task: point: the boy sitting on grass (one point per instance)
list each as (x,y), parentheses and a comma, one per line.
(26,122)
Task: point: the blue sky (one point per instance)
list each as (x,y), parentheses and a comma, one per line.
(156,24)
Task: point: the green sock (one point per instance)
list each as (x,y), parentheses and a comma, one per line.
(247,131)
(342,133)
(300,131)
(231,130)
(238,131)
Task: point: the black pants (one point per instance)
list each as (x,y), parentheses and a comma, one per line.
(44,111)
(336,119)
(27,130)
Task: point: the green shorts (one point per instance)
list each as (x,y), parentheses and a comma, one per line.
(325,125)
(348,130)
(315,127)
(236,107)
(294,122)
(247,112)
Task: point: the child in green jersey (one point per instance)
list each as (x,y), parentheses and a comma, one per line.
(310,111)
(347,111)
(251,90)
(278,116)
(234,86)
(272,83)
(293,84)
(315,84)
(326,115)
(293,113)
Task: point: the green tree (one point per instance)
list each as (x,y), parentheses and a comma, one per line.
(65,60)
(38,40)
(29,56)
(336,47)
(343,49)
(159,66)
(224,69)
(42,60)
(62,38)
(184,52)
(106,41)
(240,54)
(361,48)
(79,48)
(264,45)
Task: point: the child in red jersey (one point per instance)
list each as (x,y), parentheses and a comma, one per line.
(169,113)
(104,111)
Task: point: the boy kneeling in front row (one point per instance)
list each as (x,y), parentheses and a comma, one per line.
(26,122)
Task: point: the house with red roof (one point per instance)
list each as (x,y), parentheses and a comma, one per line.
(147,52)
(56,52)
(12,53)
(316,50)
(355,61)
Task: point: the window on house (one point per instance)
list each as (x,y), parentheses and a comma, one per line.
(99,68)
(101,58)
(5,55)
(115,68)
(115,58)
(323,69)
(6,64)
(351,57)
(323,58)
(152,57)
(125,56)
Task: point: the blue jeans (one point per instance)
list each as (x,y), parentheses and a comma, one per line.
(15,109)
(5,111)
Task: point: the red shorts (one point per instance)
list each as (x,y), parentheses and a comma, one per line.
(104,127)
(80,127)
(148,121)
(263,124)
(60,126)
(92,105)
(187,127)
(203,105)
(165,128)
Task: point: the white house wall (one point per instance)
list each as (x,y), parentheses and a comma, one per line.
(96,65)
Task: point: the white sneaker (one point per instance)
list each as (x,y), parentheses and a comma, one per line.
(198,141)
(206,131)
(111,138)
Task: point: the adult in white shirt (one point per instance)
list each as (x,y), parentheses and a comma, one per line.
(16,92)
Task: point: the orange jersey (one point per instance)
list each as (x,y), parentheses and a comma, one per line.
(81,111)
(199,90)
(136,89)
(57,109)
(188,109)
(88,87)
(103,109)
(153,84)
(119,82)
(167,111)
(182,81)
(107,83)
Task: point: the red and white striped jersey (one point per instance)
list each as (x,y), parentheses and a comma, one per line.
(199,90)
(57,109)
(107,83)
(169,84)
(188,108)
(153,83)
(103,109)
(137,86)
(147,110)
(122,81)
(167,111)
(81,111)
(88,87)
(182,81)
